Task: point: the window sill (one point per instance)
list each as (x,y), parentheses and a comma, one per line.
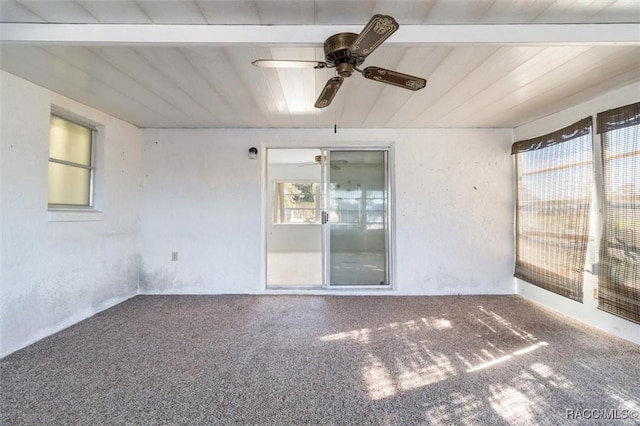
(75,216)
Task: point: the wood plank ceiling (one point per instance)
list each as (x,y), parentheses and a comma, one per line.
(499,84)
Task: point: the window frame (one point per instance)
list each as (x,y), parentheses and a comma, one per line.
(92,167)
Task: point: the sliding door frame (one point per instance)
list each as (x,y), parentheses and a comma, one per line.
(390,259)
(388,229)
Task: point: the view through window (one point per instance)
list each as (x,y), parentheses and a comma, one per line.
(296,202)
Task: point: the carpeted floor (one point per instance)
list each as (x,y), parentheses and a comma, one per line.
(322,360)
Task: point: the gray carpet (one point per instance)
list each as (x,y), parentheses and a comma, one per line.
(320,360)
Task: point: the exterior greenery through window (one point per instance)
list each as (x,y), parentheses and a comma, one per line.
(619,277)
(296,202)
(554,187)
(71,168)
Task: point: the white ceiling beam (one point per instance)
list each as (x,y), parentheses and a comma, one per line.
(314,35)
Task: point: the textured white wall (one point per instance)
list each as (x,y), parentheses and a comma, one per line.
(202,197)
(587,311)
(54,274)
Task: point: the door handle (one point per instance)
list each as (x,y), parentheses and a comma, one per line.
(325,217)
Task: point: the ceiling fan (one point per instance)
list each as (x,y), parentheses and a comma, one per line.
(346,52)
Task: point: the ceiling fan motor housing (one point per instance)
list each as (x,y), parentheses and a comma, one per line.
(337,53)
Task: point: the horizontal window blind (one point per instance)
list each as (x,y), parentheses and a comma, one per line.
(619,275)
(554,186)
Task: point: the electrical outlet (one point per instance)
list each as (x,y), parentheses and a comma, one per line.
(595,293)
(174,256)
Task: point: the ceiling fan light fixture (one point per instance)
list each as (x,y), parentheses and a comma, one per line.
(344,69)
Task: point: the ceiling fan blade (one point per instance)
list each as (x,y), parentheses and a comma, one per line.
(394,78)
(329,91)
(275,63)
(379,28)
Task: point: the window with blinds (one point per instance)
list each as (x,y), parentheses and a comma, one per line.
(71,167)
(554,187)
(619,275)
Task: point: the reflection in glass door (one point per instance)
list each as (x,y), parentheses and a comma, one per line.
(358,219)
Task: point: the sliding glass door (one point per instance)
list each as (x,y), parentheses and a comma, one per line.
(328,218)
(357,218)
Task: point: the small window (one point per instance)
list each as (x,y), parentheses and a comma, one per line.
(71,167)
(296,202)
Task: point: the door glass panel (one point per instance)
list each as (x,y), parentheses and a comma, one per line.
(294,207)
(358,218)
